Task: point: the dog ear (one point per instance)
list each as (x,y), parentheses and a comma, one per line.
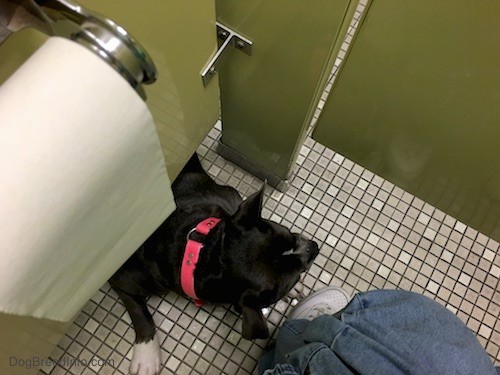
(250,209)
(253,323)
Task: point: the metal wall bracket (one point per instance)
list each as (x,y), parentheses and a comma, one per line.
(228,38)
(100,35)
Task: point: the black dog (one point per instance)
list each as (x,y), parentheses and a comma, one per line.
(245,260)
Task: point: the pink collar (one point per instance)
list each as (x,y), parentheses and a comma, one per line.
(191,255)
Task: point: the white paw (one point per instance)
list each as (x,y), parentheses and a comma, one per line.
(146,358)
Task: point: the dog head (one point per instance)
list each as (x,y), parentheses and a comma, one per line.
(262,262)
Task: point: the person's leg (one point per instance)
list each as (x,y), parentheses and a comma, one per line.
(389,332)
(412,333)
(277,359)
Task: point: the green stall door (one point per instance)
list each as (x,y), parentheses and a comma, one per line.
(417,101)
(268,98)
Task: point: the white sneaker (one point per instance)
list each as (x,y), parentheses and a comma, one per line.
(328,300)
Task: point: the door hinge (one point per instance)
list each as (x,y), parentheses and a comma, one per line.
(228,38)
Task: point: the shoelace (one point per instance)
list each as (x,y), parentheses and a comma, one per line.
(321,309)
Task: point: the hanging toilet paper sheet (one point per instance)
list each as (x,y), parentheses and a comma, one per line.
(82,180)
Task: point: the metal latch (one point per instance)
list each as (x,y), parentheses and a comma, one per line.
(228,38)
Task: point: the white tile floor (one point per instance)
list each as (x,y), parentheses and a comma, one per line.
(372,235)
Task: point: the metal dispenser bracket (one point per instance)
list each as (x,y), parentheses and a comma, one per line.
(105,38)
(228,38)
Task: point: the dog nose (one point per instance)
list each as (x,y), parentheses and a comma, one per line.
(309,249)
(313,249)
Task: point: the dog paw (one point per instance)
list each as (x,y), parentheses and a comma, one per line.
(146,358)
(297,292)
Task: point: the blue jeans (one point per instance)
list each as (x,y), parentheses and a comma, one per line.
(380,332)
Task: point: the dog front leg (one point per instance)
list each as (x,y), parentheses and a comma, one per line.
(146,353)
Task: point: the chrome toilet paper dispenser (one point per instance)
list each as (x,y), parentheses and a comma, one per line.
(99,34)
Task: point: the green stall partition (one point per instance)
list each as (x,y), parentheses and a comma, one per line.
(417,101)
(268,99)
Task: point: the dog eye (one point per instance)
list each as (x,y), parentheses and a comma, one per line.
(289,252)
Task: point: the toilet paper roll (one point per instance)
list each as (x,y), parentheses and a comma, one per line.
(82,180)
